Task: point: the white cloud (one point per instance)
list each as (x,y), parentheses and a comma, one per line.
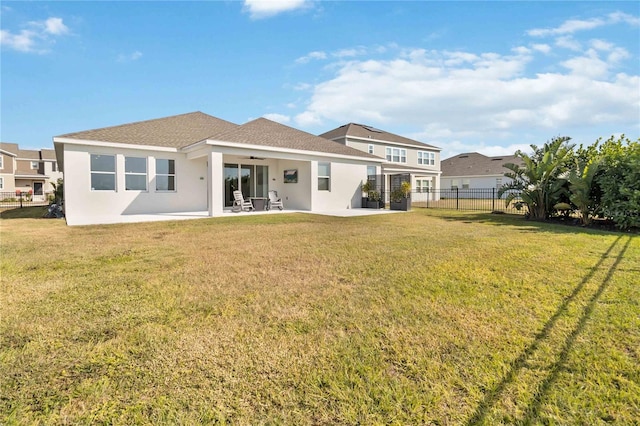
(311,55)
(568,43)
(55,26)
(346,53)
(129,57)
(38,38)
(573,26)
(544,48)
(463,95)
(259,9)
(280,118)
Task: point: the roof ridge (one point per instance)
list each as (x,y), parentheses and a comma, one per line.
(142,121)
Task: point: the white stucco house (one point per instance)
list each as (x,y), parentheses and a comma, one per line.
(404,158)
(192,163)
(472,170)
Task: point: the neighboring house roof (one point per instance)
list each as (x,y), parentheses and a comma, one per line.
(10,149)
(48,154)
(476,164)
(172,132)
(28,154)
(269,133)
(369,132)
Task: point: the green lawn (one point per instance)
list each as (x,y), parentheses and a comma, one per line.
(428,317)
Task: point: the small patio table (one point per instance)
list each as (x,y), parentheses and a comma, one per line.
(259,203)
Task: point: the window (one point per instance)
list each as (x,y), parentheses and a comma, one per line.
(371,171)
(454,183)
(370,149)
(165,175)
(54,166)
(1,183)
(426,158)
(498,183)
(34,165)
(465,183)
(103,172)
(324,176)
(135,174)
(1,162)
(396,155)
(423,185)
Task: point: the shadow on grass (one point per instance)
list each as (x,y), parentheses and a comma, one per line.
(519,363)
(34,212)
(519,221)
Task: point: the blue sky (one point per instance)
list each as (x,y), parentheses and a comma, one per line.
(490,77)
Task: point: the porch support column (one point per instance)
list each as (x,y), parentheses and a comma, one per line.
(314,185)
(215,183)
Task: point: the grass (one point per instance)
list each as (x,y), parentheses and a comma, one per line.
(429,317)
(34,212)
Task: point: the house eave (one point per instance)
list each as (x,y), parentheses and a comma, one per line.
(301,152)
(113,144)
(426,147)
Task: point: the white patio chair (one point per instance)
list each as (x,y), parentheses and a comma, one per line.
(240,204)
(275,201)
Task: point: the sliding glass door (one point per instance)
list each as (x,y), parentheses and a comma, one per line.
(252,180)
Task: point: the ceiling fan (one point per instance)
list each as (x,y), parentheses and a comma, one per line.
(254,158)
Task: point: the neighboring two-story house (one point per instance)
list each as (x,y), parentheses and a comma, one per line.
(27,171)
(473,170)
(406,159)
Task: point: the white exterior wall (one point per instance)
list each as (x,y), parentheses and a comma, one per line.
(379,149)
(84,206)
(295,196)
(345,192)
(475,182)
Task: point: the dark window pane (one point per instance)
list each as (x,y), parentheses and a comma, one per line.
(135,182)
(135,165)
(165,167)
(165,183)
(323,184)
(103,182)
(103,163)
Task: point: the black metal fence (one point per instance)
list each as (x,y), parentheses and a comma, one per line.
(478,199)
(10,200)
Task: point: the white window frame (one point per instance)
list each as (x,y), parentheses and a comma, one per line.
(35,165)
(145,174)
(370,148)
(498,183)
(423,185)
(175,180)
(455,183)
(466,183)
(327,177)
(427,158)
(101,172)
(396,155)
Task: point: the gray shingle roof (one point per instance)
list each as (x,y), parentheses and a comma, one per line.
(269,133)
(364,131)
(476,164)
(172,132)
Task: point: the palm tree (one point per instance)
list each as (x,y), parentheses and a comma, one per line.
(538,183)
(581,183)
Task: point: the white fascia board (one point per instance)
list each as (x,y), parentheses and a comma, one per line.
(388,171)
(276,150)
(33,177)
(113,145)
(428,148)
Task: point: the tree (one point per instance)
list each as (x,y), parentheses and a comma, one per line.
(620,181)
(581,185)
(539,182)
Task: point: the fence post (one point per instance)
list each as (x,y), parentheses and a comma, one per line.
(493,199)
(428,196)
(457,199)
(21,200)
